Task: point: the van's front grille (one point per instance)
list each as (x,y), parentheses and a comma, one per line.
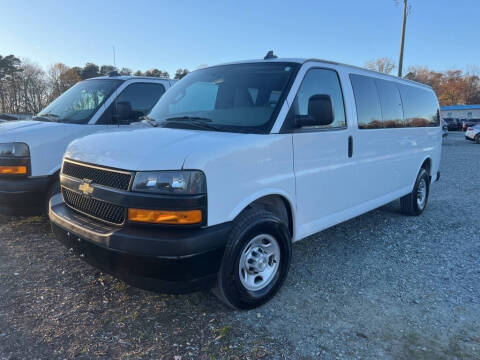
(101,176)
(99,209)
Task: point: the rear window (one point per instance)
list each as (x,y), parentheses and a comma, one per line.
(420,106)
(386,104)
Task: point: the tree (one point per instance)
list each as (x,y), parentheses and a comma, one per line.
(61,78)
(33,89)
(125,71)
(180,73)
(383,65)
(78,71)
(90,70)
(138,73)
(105,69)
(452,87)
(9,66)
(157,73)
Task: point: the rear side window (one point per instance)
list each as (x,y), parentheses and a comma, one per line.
(390,103)
(420,106)
(369,114)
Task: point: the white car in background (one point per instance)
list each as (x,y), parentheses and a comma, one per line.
(31,151)
(473,133)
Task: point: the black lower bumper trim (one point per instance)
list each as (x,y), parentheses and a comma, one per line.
(23,196)
(167,260)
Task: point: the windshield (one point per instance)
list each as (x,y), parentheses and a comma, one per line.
(234,98)
(79,103)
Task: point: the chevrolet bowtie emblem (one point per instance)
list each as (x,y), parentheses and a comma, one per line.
(85,187)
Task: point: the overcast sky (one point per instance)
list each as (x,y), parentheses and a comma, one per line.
(441,34)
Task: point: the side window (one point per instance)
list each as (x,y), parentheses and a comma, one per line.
(369,114)
(420,106)
(390,103)
(319,82)
(141,97)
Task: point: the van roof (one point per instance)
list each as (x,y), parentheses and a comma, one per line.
(304,60)
(129,77)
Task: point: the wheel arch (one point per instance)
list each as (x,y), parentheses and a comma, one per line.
(427,165)
(277,202)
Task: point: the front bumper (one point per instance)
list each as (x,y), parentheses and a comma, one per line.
(159,259)
(23,196)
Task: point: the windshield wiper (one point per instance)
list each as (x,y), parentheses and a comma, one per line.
(47,116)
(148,120)
(195,121)
(189,118)
(199,124)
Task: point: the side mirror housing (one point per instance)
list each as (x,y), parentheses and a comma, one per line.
(320,112)
(123,111)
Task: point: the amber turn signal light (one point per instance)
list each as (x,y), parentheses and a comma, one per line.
(165,217)
(13,170)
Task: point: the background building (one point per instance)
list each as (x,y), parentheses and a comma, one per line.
(461,112)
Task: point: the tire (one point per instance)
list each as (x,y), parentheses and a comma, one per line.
(415,203)
(477,139)
(258,240)
(53,189)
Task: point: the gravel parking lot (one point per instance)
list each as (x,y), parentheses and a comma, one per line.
(381,285)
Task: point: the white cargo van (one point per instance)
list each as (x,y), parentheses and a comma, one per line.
(246,158)
(31,151)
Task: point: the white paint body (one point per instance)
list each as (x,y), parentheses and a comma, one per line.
(311,171)
(48,141)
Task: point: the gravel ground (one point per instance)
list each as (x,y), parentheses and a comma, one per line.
(381,285)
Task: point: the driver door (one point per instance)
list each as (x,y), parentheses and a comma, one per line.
(323,161)
(135,101)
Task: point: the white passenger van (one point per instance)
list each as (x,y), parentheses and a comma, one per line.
(245,159)
(31,151)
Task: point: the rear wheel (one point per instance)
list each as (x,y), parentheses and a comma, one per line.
(415,202)
(477,139)
(256,260)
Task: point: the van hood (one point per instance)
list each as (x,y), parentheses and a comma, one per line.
(16,129)
(146,149)
(35,132)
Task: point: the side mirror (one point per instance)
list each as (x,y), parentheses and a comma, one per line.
(123,111)
(320,112)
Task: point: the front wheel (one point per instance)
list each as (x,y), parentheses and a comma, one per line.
(256,260)
(414,203)
(477,139)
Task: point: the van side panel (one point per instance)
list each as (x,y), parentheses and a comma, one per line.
(386,158)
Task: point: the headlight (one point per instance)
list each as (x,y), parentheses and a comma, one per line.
(14,150)
(170,182)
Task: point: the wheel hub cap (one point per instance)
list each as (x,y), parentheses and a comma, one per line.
(259,262)
(421,194)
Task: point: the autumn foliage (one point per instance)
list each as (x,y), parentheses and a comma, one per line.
(452,87)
